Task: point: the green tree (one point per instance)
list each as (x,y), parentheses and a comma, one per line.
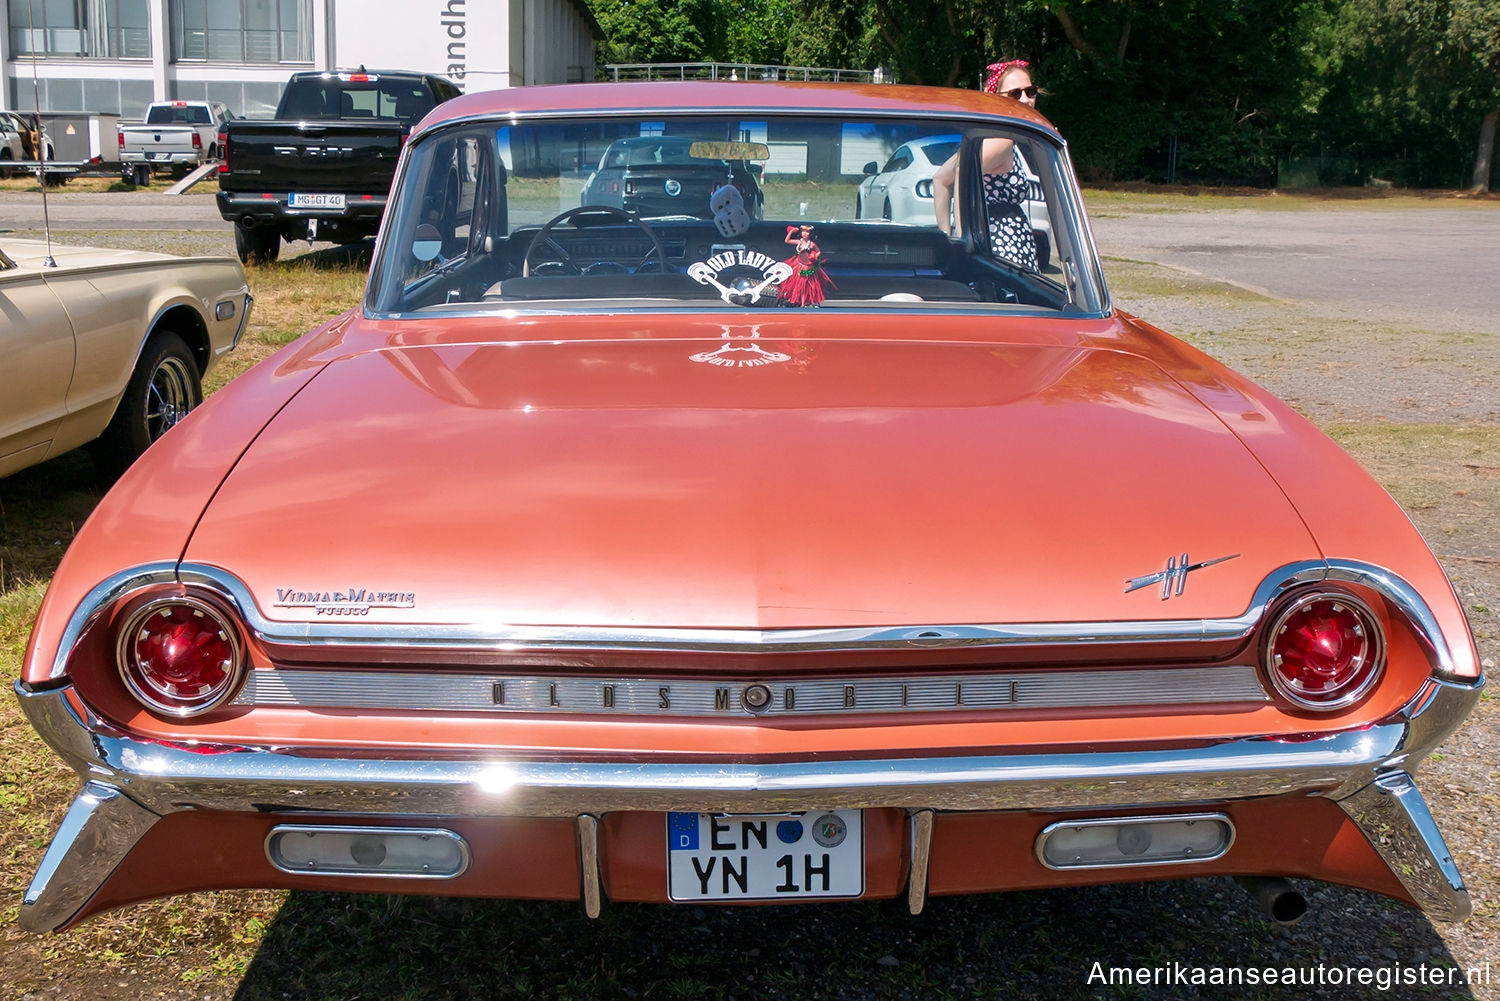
(1411,80)
(754,31)
(654,31)
(1475,33)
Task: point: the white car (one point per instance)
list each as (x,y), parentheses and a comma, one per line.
(17,133)
(901,191)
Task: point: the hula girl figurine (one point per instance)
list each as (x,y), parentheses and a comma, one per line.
(805,286)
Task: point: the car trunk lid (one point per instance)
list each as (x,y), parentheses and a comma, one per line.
(744,483)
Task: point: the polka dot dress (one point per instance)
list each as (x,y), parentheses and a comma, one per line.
(1010,230)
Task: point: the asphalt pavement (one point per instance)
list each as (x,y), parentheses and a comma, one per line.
(1441,264)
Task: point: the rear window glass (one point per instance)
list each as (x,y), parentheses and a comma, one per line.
(743,211)
(165,114)
(391,100)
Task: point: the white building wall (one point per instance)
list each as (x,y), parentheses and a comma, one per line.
(478,44)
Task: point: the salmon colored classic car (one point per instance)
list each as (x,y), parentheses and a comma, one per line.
(107,348)
(696,556)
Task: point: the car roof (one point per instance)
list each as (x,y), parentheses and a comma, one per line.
(675,97)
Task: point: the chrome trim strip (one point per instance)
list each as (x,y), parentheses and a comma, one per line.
(1406,598)
(165,778)
(239,331)
(718,309)
(104,594)
(494,693)
(99,830)
(1394,817)
(1050,829)
(921,860)
(588,864)
(465,856)
(516,638)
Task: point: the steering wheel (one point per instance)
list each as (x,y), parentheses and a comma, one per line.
(544,236)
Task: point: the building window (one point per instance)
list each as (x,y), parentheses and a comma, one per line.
(100,29)
(242,31)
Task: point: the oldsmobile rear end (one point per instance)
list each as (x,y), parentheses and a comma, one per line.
(590,559)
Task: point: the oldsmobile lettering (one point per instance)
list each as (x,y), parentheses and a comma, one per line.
(350,602)
(640,697)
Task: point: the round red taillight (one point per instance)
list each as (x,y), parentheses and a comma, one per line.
(180,656)
(1324,650)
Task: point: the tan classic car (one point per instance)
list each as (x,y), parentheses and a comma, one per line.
(107,347)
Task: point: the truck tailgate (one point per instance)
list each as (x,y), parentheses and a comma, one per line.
(343,157)
(150,139)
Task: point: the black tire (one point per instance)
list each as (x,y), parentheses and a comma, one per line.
(165,385)
(260,245)
(5,155)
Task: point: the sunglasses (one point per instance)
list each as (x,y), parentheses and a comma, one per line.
(1015,93)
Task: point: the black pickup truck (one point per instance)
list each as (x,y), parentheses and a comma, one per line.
(321,169)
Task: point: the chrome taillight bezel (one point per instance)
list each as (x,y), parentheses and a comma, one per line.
(1375,656)
(158,701)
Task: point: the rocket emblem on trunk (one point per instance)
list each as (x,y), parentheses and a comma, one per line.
(1174,578)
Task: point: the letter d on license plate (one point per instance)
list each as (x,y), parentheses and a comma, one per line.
(780,857)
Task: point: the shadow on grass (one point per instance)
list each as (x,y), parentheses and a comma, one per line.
(41,508)
(1055,944)
(323,257)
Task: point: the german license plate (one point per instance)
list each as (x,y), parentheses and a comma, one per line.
(712,856)
(315,200)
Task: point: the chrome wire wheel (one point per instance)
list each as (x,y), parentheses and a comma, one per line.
(169,396)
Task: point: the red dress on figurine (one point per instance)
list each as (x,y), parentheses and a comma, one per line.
(805,286)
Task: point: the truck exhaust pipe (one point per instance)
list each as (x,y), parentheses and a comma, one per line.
(247,221)
(1279,900)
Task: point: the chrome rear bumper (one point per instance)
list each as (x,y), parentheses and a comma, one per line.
(129,784)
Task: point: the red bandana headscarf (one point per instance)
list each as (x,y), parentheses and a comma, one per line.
(995,71)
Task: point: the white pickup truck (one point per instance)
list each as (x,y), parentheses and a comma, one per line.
(175,136)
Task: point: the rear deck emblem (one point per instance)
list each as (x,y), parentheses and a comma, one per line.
(1174,578)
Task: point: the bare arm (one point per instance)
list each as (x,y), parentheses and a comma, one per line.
(997,156)
(943,183)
